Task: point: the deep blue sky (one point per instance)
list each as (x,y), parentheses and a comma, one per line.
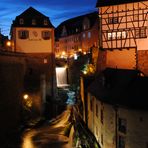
(56,10)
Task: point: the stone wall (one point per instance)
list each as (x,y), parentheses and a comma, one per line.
(11,88)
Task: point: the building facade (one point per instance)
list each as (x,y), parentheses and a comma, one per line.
(77,34)
(117,109)
(123,34)
(33,34)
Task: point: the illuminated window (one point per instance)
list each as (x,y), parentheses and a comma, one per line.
(116,35)
(84,35)
(113,35)
(84,27)
(77,29)
(23,34)
(109,36)
(21,21)
(140,32)
(89,34)
(124,34)
(119,35)
(45,22)
(113,20)
(33,22)
(46,35)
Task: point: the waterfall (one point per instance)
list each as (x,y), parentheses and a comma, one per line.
(61,76)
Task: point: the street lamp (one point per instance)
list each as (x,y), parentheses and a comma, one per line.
(8,44)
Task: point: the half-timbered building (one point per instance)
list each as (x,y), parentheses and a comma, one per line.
(123,34)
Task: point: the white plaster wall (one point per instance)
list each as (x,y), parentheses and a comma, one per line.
(137,125)
(34,44)
(137,130)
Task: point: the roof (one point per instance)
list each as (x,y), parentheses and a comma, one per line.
(30,14)
(121,87)
(76,22)
(101,3)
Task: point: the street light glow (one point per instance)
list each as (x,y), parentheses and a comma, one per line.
(25,97)
(8,43)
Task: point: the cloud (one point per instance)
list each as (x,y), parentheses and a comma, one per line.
(56,10)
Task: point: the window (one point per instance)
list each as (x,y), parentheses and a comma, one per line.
(21,21)
(113,20)
(89,34)
(84,26)
(97,110)
(77,29)
(96,130)
(84,35)
(109,35)
(121,142)
(122,125)
(23,34)
(46,35)
(101,116)
(116,35)
(91,103)
(45,22)
(102,139)
(33,22)
(140,32)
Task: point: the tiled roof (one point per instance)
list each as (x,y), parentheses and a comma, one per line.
(76,22)
(121,87)
(30,14)
(101,3)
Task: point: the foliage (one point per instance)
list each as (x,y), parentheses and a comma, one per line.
(89,69)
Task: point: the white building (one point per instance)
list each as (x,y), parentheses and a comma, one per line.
(32,32)
(118,109)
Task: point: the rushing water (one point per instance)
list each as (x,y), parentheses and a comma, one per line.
(61,76)
(51,135)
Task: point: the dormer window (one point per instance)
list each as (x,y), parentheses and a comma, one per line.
(21,21)
(33,22)
(45,22)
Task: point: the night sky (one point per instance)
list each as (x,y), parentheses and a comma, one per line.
(56,10)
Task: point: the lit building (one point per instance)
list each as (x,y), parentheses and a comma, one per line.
(77,34)
(123,34)
(117,112)
(33,34)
